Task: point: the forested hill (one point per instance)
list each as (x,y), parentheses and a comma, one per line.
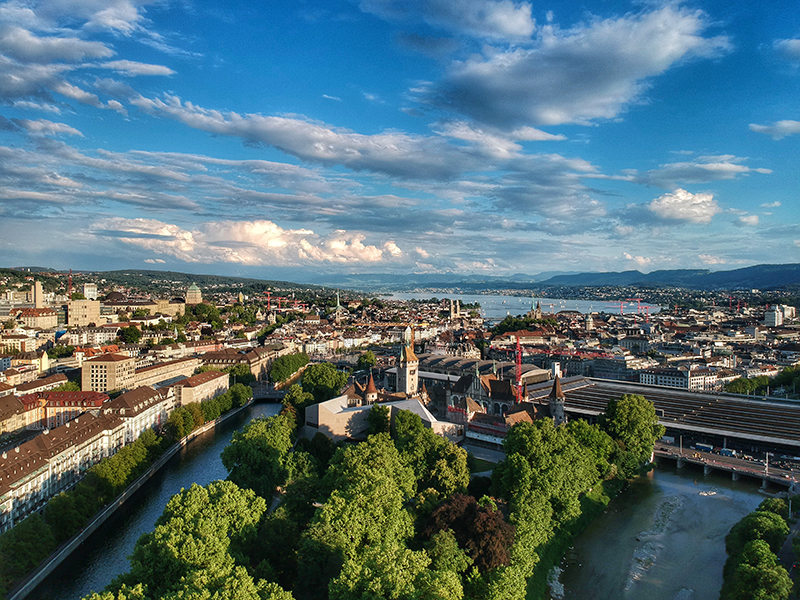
(147,279)
(764,277)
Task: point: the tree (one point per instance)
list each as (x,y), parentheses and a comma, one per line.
(130,335)
(24,547)
(70,386)
(298,400)
(255,458)
(200,546)
(632,422)
(759,525)
(758,575)
(479,530)
(378,419)
(77,296)
(366,360)
(546,460)
(323,380)
(594,440)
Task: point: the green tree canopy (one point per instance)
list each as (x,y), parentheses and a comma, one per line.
(366,360)
(323,380)
(632,422)
(200,546)
(256,456)
(130,335)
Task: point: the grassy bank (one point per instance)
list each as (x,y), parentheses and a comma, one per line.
(550,555)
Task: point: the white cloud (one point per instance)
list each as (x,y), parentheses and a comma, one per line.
(684,206)
(775,204)
(748,221)
(778,130)
(640,261)
(703,169)
(711,260)
(789,49)
(395,153)
(132,68)
(121,16)
(335,98)
(155,261)
(500,19)
(24,46)
(45,127)
(246,242)
(589,72)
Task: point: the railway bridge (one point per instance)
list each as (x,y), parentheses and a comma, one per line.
(748,425)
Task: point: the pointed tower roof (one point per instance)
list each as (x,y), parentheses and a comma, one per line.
(556,393)
(407,353)
(371,389)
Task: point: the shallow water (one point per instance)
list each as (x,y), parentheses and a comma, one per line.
(662,539)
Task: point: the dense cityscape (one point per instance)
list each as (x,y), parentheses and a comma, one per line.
(399,300)
(91,368)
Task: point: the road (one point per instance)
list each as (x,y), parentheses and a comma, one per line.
(728,463)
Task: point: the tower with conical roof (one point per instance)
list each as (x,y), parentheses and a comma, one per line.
(371,391)
(408,369)
(557,399)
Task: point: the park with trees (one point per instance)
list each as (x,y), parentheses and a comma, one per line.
(395,516)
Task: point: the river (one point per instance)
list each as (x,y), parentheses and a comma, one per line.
(497,307)
(105,554)
(662,539)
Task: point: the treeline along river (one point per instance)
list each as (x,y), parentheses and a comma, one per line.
(105,554)
(663,539)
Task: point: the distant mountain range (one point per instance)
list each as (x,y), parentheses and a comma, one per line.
(763,277)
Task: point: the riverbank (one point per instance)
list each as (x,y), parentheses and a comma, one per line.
(552,553)
(24,588)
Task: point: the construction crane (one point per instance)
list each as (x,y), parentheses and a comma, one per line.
(519,371)
(268,294)
(638,303)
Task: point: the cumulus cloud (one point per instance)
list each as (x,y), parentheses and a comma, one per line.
(640,261)
(775,204)
(246,242)
(778,130)
(500,19)
(155,261)
(589,72)
(681,205)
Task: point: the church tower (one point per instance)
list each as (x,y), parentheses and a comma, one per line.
(557,399)
(408,369)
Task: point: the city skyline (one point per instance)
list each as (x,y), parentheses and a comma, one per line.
(491,137)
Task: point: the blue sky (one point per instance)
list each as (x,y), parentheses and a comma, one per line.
(283,139)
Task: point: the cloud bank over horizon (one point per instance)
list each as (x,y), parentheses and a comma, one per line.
(485,136)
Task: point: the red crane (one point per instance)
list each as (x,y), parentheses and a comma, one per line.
(519,371)
(638,303)
(268,294)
